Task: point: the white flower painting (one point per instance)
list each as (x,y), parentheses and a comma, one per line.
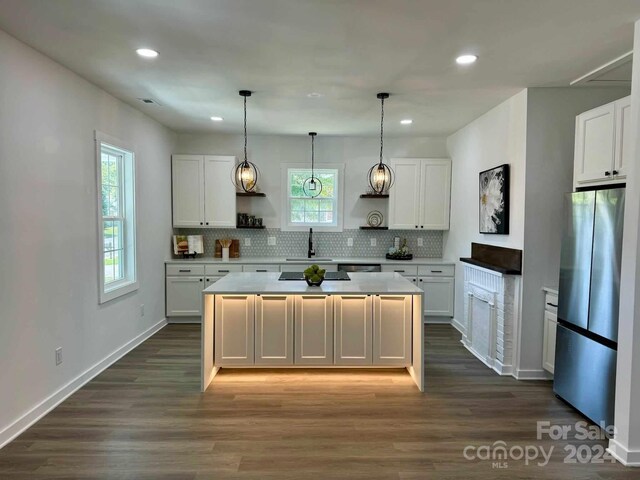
(494,200)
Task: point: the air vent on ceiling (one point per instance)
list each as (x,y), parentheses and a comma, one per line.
(149,101)
(616,73)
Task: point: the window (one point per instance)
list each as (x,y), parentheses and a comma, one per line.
(323,212)
(116,218)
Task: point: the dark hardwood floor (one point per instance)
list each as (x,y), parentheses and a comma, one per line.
(145,418)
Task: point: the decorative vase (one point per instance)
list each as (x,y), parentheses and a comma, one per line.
(314,284)
(225,254)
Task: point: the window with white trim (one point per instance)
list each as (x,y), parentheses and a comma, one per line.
(323,212)
(116,218)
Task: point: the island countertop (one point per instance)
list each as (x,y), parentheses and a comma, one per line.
(267,282)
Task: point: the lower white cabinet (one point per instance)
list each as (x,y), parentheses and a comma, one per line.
(313,330)
(392,330)
(274,330)
(438,295)
(234,330)
(184,296)
(550,327)
(353,329)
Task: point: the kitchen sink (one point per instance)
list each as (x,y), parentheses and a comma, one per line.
(312,260)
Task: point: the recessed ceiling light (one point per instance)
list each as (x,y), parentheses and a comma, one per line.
(466,59)
(147,53)
(314,95)
(217,119)
(406,121)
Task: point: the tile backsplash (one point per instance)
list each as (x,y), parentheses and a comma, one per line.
(326,244)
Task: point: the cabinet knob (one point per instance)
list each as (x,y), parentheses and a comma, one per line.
(200,279)
(416,226)
(615,172)
(421,226)
(420,279)
(607,173)
(200,223)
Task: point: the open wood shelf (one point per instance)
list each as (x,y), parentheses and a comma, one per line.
(374,195)
(250,194)
(368,227)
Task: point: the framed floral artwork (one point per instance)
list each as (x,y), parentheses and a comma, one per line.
(494,200)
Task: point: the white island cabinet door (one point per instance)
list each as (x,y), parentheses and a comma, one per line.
(313,330)
(354,325)
(184,296)
(392,330)
(187,184)
(274,330)
(234,326)
(220,193)
(404,196)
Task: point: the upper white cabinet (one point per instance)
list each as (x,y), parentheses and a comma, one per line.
(421,194)
(202,192)
(602,144)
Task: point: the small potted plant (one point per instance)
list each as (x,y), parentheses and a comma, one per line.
(314,275)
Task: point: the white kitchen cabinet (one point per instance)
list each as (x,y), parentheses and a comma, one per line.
(220,192)
(353,329)
(202,192)
(184,296)
(603,144)
(313,330)
(234,330)
(392,330)
(438,295)
(420,196)
(274,330)
(210,280)
(550,327)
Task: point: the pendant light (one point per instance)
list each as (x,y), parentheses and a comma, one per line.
(381,175)
(246,173)
(312,186)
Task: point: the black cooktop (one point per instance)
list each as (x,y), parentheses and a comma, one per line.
(343,276)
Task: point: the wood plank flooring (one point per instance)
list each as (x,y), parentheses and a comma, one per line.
(144,418)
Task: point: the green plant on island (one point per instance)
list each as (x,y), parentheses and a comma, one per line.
(314,273)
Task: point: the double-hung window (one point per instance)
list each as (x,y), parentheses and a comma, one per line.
(116,218)
(301,211)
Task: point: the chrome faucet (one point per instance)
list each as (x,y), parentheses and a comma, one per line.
(310,252)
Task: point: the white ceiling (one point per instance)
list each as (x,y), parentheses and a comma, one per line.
(348,50)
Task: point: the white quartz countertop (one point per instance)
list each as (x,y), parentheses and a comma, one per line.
(268,283)
(320,259)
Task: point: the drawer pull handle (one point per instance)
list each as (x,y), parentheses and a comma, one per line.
(260,270)
(436,271)
(184,271)
(399,271)
(552,304)
(223,271)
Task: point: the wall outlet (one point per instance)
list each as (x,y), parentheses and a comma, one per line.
(349,242)
(58,355)
(142,310)
(247,242)
(271,241)
(420,242)
(374,242)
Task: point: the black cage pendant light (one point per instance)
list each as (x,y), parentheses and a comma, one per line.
(246,173)
(381,175)
(312,186)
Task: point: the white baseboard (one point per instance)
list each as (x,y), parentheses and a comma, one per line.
(458,326)
(437,320)
(194,320)
(628,458)
(14,429)
(532,375)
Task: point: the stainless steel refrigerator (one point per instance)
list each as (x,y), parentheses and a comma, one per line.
(588,299)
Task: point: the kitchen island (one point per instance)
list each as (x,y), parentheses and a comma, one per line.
(255,320)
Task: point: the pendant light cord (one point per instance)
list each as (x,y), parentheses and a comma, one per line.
(313,139)
(245,130)
(381,127)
